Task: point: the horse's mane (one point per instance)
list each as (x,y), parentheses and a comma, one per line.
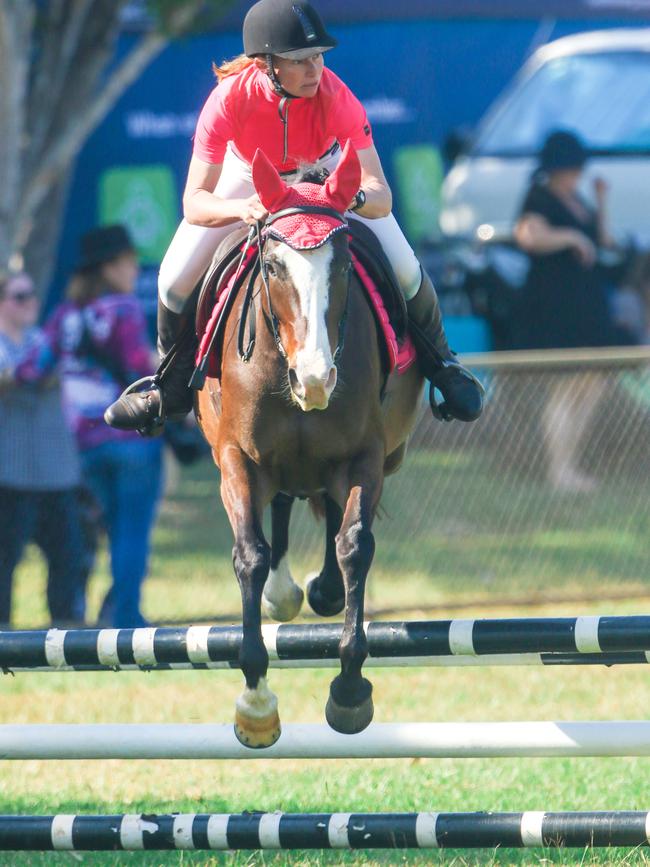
(311,173)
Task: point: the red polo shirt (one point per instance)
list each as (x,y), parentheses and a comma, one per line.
(243,111)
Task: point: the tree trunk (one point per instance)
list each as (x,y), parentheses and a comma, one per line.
(52,59)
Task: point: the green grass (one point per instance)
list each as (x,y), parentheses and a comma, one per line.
(463,534)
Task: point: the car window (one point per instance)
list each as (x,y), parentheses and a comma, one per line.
(604,98)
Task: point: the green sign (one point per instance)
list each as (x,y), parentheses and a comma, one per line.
(419,173)
(145,200)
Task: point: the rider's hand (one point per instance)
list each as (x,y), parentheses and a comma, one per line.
(584,249)
(253,210)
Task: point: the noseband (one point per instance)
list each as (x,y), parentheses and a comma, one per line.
(258,235)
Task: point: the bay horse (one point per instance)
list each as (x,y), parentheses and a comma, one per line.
(305,417)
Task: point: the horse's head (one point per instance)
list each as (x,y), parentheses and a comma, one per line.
(307,261)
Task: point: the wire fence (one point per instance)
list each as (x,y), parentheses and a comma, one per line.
(548,493)
(545,497)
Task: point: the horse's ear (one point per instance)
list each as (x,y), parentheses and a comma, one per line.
(270,187)
(343,184)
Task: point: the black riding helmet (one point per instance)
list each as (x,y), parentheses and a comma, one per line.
(288,28)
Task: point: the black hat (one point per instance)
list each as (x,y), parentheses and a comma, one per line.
(288,28)
(562,150)
(102,244)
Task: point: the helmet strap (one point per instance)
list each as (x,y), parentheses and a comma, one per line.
(275,81)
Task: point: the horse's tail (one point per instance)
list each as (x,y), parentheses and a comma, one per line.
(317,506)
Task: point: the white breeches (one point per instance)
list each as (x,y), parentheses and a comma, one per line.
(190,252)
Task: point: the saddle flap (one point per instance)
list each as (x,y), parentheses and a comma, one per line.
(218,292)
(366,247)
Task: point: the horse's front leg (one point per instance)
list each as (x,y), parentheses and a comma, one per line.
(257,723)
(282,597)
(349,708)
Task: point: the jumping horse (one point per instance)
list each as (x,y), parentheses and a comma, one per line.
(310,415)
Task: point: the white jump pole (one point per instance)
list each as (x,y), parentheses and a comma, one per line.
(313,741)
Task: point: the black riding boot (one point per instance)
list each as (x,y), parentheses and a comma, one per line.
(462,392)
(168,395)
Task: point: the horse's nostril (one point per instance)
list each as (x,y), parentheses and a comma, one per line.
(296,386)
(331,380)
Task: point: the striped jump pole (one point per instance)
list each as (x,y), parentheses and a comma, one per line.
(323,831)
(314,741)
(518,641)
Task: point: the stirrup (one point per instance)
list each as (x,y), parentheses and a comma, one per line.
(440,410)
(155,427)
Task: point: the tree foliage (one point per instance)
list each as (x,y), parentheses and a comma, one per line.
(55,89)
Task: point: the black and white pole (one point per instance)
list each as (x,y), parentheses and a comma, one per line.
(323,831)
(517,641)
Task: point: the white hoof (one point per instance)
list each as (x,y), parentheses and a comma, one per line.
(257,724)
(282,598)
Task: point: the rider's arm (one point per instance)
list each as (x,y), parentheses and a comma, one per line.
(202,207)
(379,199)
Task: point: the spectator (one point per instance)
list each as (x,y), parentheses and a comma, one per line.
(564,301)
(39,466)
(100,333)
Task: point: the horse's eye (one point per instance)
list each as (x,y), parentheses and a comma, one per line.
(270,267)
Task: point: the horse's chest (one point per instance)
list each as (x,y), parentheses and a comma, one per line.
(303,438)
(299,450)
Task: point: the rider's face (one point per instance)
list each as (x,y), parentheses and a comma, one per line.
(299,77)
(121,273)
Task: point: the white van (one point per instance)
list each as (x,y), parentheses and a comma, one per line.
(596,84)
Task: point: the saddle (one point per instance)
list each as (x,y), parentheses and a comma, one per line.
(235,263)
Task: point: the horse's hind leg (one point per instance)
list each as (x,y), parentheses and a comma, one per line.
(257,723)
(325,590)
(349,708)
(282,597)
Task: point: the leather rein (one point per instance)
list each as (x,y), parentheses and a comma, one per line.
(258,234)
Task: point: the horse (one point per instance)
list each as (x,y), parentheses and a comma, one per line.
(312,416)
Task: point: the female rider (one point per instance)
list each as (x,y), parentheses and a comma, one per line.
(278,96)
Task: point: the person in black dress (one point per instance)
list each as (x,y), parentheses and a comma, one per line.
(564,302)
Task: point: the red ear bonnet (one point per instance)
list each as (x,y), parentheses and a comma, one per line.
(309,230)
(342,186)
(270,187)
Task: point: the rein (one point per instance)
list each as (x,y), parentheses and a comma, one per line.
(257,235)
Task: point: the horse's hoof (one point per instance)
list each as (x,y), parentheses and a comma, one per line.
(349,713)
(257,733)
(285,608)
(318,603)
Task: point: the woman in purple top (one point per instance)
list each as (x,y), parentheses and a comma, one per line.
(99,339)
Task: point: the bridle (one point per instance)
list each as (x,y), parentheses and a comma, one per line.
(258,234)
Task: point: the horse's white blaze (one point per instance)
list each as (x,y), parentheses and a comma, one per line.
(309,271)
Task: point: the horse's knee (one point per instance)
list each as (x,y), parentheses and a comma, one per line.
(355,548)
(252,561)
